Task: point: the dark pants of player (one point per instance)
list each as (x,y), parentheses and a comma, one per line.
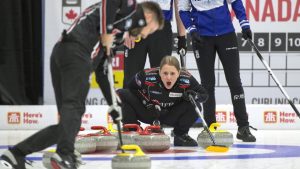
(227,48)
(156,45)
(70,70)
(181,116)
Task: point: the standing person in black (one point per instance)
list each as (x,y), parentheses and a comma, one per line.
(156,46)
(161,94)
(210,26)
(72,62)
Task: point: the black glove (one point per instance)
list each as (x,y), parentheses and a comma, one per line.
(196,39)
(119,39)
(199,97)
(115,113)
(247,34)
(181,45)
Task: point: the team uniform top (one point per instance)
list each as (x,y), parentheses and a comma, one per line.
(148,86)
(211,17)
(100,18)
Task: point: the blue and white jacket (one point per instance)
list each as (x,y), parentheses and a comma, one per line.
(211,17)
(165,5)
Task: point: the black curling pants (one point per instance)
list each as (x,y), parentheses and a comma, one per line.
(180,116)
(156,45)
(70,70)
(205,54)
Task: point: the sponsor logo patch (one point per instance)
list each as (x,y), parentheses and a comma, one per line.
(172,94)
(270,117)
(13,117)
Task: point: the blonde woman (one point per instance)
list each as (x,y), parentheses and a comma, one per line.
(160,94)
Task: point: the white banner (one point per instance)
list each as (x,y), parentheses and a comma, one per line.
(27,117)
(261,117)
(38,117)
(275,24)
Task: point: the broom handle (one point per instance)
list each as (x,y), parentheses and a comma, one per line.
(274,77)
(113,95)
(182,58)
(203,121)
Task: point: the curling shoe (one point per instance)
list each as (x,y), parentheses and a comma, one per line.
(245,135)
(9,160)
(184,140)
(63,162)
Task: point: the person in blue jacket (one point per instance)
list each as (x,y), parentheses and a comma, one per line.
(210,26)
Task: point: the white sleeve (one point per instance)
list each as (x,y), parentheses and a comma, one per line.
(184,5)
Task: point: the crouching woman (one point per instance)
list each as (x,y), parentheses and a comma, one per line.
(162,95)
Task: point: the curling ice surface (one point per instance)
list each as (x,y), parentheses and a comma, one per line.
(274,149)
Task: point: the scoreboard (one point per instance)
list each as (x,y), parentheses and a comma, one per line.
(272,42)
(281,50)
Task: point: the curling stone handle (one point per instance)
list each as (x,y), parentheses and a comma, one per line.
(102,128)
(149,129)
(138,150)
(214,126)
(110,128)
(52,150)
(133,126)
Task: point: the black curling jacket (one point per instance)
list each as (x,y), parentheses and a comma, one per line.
(148,86)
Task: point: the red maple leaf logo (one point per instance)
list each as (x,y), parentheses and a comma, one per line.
(71,14)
